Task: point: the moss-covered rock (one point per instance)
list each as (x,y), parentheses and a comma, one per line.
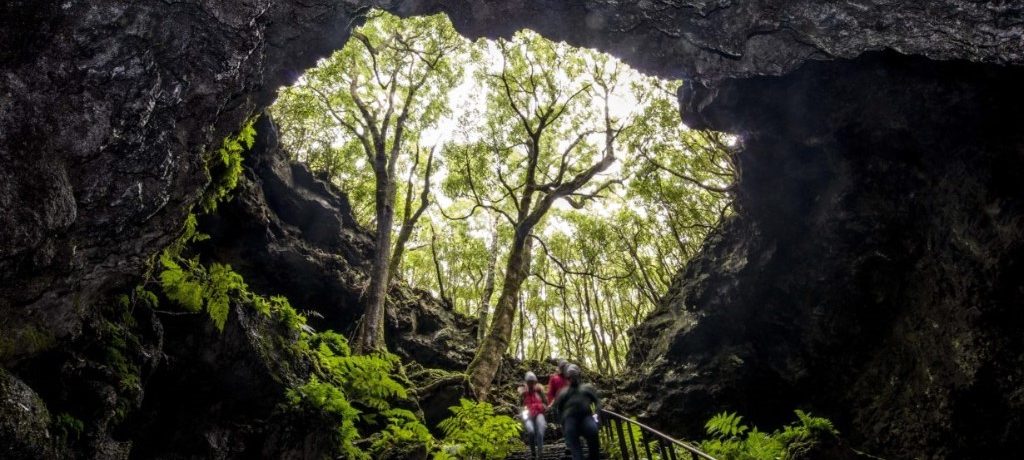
(24,422)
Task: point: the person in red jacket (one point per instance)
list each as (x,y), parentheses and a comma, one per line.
(557,381)
(534,403)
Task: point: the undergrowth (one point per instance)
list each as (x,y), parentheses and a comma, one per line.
(184,280)
(730,439)
(475,432)
(350,394)
(225,166)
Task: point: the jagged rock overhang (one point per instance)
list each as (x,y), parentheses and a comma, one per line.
(139,86)
(91,191)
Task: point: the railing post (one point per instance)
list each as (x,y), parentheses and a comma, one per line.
(647,444)
(661,449)
(632,440)
(606,430)
(665,448)
(622,439)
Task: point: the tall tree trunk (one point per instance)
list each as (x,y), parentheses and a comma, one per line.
(546,350)
(599,331)
(371,332)
(485,365)
(437,264)
(485,300)
(588,306)
(410,217)
(613,327)
(522,325)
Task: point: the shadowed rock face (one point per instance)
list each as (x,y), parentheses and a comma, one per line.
(148,382)
(870,273)
(110,105)
(709,40)
(289,233)
(873,272)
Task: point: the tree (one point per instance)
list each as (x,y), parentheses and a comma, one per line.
(488,292)
(600,258)
(538,128)
(377,96)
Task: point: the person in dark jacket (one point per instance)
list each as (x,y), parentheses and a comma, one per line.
(578,418)
(533,401)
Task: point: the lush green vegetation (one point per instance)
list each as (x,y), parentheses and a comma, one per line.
(67,428)
(730,439)
(549,191)
(185,280)
(225,165)
(348,390)
(475,432)
(363,398)
(357,394)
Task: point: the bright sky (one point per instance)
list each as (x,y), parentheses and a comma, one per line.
(469,97)
(466,97)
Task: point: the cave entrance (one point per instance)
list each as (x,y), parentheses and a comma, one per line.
(470,154)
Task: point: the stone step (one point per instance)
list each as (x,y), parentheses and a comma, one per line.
(554,451)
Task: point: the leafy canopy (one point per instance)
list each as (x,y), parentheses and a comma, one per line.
(603,256)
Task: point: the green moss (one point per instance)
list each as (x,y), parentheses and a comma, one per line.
(26,340)
(68,428)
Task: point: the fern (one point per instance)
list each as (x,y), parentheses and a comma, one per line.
(731,440)
(223,282)
(725,425)
(363,390)
(404,433)
(330,402)
(225,165)
(180,285)
(474,431)
(196,288)
(367,379)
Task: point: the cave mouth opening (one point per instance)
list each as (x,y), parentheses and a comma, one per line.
(477,142)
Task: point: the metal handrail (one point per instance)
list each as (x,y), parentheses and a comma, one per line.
(665,444)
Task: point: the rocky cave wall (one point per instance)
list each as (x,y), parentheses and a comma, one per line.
(109,106)
(289,233)
(872,272)
(148,381)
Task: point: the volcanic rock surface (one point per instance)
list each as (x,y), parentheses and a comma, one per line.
(871,271)
(289,233)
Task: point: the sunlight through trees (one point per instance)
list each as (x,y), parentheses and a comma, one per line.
(551,192)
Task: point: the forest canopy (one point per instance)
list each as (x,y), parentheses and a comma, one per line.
(551,192)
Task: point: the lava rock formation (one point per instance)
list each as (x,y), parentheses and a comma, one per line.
(871,272)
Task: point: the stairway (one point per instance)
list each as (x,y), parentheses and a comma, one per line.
(623,437)
(554,451)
